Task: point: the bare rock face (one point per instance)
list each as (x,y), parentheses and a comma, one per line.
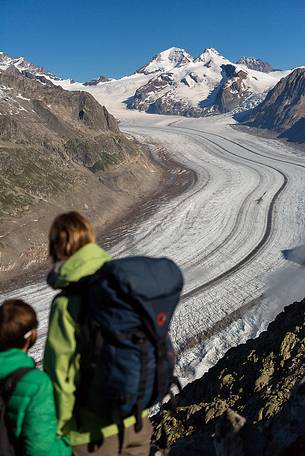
(156,87)
(255,64)
(283,110)
(259,381)
(233,90)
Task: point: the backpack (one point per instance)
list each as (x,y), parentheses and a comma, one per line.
(127,359)
(7,385)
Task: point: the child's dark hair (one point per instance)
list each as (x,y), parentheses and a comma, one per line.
(17,318)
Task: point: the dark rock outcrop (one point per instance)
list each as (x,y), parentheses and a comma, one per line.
(283,109)
(232,91)
(258,380)
(146,95)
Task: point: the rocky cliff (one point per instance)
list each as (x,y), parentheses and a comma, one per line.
(283,110)
(258,381)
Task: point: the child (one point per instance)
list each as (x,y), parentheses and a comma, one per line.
(30,409)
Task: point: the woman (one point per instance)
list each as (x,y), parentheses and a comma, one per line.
(75,254)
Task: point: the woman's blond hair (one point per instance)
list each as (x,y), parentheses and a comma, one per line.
(69,232)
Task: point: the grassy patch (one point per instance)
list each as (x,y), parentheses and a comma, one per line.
(104,162)
(27,174)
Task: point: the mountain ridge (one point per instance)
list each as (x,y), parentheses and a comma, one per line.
(174,82)
(205,85)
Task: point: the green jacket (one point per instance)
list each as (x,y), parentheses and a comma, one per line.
(30,409)
(62,352)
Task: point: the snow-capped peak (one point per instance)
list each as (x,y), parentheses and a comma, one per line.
(208,55)
(167,60)
(211,51)
(23,65)
(5,60)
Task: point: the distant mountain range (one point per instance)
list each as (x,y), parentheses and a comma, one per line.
(174,82)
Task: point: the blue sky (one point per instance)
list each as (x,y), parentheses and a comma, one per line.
(82,39)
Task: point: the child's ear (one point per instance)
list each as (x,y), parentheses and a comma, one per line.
(33,338)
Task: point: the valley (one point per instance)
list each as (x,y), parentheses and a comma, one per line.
(226,231)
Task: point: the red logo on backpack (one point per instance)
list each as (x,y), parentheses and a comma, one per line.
(161,318)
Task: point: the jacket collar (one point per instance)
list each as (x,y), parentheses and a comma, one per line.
(13,359)
(86,261)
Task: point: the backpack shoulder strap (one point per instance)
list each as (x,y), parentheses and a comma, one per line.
(9,383)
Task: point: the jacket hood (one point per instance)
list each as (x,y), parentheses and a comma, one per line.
(13,359)
(86,261)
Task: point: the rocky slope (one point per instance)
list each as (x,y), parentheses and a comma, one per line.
(283,110)
(56,126)
(256,380)
(60,150)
